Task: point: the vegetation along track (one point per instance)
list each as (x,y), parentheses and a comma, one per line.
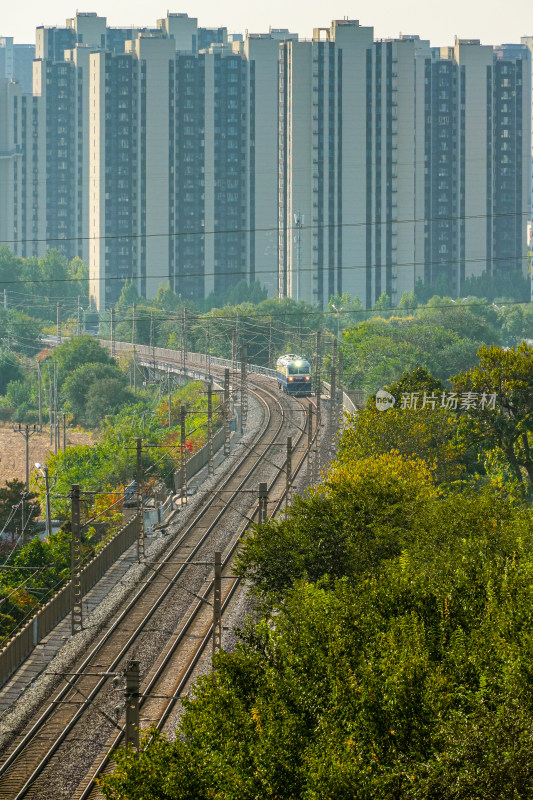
(51,758)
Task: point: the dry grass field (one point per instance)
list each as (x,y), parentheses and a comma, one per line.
(12,450)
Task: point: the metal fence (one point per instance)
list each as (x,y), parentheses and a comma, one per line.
(21,645)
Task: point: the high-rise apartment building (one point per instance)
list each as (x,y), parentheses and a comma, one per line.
(337,164)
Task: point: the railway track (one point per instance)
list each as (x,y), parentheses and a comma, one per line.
(69,744)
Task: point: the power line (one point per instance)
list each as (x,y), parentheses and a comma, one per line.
(273,271)
(273,229)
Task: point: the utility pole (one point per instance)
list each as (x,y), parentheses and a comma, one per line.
(310,443)
(183,412)
(340,370)
(288,475)
(78,325)
(333,380)
(112,329)
(50,418)
(244,388)
(298,223)
(217,603)
(140,510)
(227,430)
(56,421)
(133,346)
(40,382)
(270,343)
(263,503)
(47,492)
(131,733)
(58,323)
(208,350)
(169,399)
(234,353)
(316,460)
(64,431)
(184,340)
(210,465)
(75,562)
(26,432)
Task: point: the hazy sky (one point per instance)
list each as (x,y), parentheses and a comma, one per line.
(492,22)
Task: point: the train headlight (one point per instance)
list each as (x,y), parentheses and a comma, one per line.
(307,378)
(291,379)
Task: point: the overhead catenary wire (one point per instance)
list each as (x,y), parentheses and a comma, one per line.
(269,229)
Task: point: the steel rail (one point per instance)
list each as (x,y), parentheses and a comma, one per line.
(162,667)
(53,707)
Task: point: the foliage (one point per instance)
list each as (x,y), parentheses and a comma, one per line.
(357,518)
(409,679)
(376,352)
(79,351)
(111,461)
(241,292)
(79,383)
(509,425)
(34,280)
(10,370)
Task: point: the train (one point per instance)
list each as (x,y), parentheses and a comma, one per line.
(294,375)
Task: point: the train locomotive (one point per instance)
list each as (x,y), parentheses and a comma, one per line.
(294,375)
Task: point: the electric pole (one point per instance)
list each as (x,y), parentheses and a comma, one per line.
(40,382)
(169,399)
(288,476)
(78,326)
(263,503)
(227,421)
(56,421)
(244,388)
(132,705)
(333,380)
(183,412)
(217,603)
(58,323)
(112,330)
(26,432)
(270,343)
(50,416)
(208,351)
(210,465)
(298,223)
(140,509)
(340,363)
(184,340)
(133,346)
(316,460)
(310,443)
(75,562)
(234,353)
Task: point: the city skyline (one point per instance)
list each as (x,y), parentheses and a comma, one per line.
(439,24)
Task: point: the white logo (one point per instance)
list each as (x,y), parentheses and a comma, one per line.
(384,400)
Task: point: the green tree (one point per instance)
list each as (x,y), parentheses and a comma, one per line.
(78,384)
(79,351)
(10,370)
(508,426)
(352,522)
(106,396)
